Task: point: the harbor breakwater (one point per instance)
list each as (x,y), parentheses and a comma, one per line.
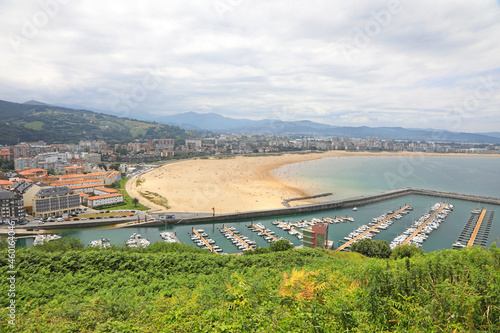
(329,205)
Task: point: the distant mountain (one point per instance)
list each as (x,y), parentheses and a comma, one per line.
(33,102)
(204,121)
(33,121)
(493,134)
(217,123)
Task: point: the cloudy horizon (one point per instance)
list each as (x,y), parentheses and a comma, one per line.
(366,63)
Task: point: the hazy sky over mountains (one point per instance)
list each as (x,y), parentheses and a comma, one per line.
(426,64)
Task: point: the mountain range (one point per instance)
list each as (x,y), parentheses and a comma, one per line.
(217,123)
(34,120)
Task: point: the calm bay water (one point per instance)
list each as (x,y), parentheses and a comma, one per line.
(358,175)
(353,176)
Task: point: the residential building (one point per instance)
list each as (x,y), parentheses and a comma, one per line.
(102,200)
(52,201)
(73,170)
(25,162)
(5,153)
(11,205)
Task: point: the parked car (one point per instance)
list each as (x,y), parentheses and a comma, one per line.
(76,219)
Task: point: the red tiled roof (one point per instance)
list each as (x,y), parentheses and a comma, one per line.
(105,196)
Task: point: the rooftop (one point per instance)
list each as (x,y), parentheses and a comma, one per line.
(5,195)
(54,191)
(97,197)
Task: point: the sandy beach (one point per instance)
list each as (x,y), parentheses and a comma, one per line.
(235,184)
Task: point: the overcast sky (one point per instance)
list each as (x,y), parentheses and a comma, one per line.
(418,64)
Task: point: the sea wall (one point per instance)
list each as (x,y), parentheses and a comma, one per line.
(328,205)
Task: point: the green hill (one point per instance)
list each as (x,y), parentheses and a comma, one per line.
(177,288)
(28,122)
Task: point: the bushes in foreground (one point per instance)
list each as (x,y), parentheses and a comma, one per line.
(166,289)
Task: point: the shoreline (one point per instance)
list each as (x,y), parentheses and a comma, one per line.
(238,183)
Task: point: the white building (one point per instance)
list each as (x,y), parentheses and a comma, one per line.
(104,200)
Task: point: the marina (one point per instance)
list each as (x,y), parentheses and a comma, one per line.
(368,229)
(419,231)
(477,229)
(443,237)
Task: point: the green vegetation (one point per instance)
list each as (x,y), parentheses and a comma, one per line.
(25,122)
(6,166)
(372,249)
(61,287)
(34,125)
(155,198)
(128,202)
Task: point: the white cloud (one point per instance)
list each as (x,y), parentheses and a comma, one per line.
(327,61)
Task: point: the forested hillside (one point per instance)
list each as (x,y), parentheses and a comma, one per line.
(177,288)
(26,122)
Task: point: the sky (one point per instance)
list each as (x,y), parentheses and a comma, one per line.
(414,64)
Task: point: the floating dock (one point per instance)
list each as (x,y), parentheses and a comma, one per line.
(238,238)
(348,244)
(260,229)
(477,230)
(289,226)
(419,229)
(204,241)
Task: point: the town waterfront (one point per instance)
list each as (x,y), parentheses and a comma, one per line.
(353,176)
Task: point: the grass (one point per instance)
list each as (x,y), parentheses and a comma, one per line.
(34,125)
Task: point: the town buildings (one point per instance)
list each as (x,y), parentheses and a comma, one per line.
(11,206)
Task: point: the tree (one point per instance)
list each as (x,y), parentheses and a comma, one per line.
(373,249)
(281,245)
(135,201)
(406,251)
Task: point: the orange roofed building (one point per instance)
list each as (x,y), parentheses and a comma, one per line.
(73,170)
(109,177)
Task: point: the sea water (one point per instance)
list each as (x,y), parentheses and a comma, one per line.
(352,176)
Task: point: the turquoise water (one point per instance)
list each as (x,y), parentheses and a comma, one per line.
(353,176)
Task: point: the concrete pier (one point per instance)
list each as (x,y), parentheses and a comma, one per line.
(477,229)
